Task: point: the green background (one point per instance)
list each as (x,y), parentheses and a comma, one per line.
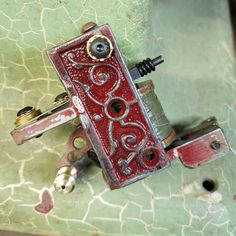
(196,81)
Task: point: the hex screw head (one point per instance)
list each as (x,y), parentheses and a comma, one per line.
(215,145)
(99,47)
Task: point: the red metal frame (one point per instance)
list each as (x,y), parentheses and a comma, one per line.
(121,140)
(195,147)
(125,142)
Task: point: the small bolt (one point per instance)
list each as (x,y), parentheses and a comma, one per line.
(61,96)
(60,99)
(88,26)
(215,145)
(26,114)
(72,157)
(24,111)
(79,143)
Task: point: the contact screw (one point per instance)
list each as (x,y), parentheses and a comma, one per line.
(145,67)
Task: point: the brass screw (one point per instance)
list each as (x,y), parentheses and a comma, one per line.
(26,114)
(60,99)
(88,26)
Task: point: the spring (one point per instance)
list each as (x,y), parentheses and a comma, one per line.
(145,67)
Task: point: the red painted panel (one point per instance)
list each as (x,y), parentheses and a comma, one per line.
(124,141)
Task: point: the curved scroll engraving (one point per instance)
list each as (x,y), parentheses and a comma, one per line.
(105,79)
(101,74)
(124,164)
(78,65)
(112,142)
(97,77)
(133,142)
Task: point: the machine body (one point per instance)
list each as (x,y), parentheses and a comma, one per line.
(122,126)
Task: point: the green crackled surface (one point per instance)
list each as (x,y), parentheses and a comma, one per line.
(196,81)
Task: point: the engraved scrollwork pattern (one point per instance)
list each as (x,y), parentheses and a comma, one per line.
(107,75)
(101,74)
(131,141)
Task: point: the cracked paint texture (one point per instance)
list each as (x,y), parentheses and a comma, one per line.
(196,81)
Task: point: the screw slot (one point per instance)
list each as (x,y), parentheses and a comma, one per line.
(209,185)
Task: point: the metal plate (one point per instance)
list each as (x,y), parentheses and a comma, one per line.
(124,141)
